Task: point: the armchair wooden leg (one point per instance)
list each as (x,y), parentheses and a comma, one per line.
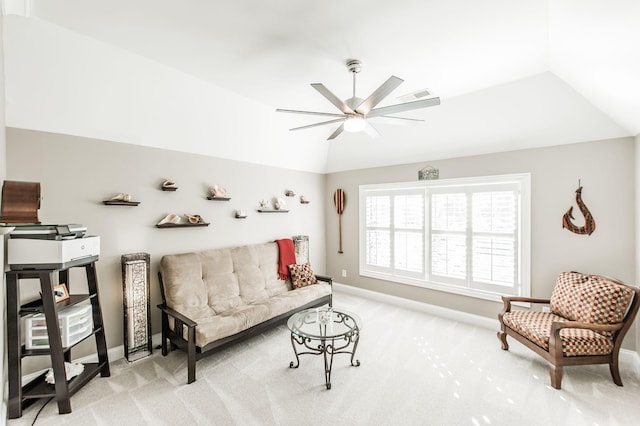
(502,337)
(555,372)
(615,372)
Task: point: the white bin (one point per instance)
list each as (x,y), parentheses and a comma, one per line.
(76,323)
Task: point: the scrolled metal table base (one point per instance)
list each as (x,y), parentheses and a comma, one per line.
(328,348)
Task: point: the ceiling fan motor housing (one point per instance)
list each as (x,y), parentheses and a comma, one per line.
(354,65)
(353,102)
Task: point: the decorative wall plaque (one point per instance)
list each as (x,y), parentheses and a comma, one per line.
(589,221)
(428,173)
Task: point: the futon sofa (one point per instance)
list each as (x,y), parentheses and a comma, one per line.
(213,298)
(588,317)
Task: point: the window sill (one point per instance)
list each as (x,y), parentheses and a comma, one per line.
(478,294)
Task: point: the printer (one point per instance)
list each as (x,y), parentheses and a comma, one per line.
(32,247)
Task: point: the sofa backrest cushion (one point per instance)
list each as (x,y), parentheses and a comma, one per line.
(221,279)
(592,299)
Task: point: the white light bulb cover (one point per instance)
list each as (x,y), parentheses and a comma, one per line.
(354,124)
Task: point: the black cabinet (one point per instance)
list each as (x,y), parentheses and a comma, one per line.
(21,396)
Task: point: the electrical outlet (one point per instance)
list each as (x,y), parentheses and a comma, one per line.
(344,273)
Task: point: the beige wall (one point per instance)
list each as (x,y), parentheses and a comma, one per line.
(77,173)
(606,169)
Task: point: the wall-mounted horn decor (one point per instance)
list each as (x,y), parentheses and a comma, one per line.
(589,221)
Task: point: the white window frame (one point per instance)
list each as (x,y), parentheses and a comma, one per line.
(523,271)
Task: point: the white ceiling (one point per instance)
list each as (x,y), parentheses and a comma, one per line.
(510,73)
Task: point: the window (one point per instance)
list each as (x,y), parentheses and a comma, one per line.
(468,236)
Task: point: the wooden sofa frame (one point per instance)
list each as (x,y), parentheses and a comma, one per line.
(174,336)
(555,354)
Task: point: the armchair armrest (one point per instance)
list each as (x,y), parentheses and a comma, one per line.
(508,299)
(325,279)
(555,343)
(556,326)
(177,315)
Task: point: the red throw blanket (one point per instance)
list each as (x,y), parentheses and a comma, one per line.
(287,257)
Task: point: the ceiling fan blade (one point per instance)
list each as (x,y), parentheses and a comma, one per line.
(371,131)
(389,119)
(393,109)
(308,126)
(380,93)
(336,132)
(295,111)
(332,98)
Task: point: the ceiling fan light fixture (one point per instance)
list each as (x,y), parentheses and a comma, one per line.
(354,124)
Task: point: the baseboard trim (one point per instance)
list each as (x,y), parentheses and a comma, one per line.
(626,355)
(419,306)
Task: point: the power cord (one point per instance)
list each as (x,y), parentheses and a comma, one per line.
(40,410)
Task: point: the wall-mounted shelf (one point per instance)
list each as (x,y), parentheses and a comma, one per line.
(182,225)
(272,211)
(120,203)
(169,188)
(218,198)
(240,217)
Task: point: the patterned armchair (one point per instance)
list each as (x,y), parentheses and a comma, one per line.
(589,316)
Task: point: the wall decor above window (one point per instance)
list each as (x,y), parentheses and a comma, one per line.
(428,173)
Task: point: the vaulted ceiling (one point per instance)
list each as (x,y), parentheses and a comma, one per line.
(511,74)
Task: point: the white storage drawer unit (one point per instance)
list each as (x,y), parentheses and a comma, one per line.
(76,323)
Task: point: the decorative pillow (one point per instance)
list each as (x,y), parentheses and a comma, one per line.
(302,275)
(590,298)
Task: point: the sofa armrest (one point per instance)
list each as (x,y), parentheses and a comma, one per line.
(177,315)
(325,279)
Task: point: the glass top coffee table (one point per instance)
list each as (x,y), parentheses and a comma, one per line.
(324,331)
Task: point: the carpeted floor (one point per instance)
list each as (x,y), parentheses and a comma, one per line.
(417,369)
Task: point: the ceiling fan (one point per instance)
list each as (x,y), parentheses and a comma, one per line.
(357,112)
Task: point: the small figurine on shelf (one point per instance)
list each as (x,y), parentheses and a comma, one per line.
(279,203)
(264,204)
(240,214)
(170,218)
(121,197)
(169,185)
(218,191)
(194,218)
(303,200)
(289,193)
